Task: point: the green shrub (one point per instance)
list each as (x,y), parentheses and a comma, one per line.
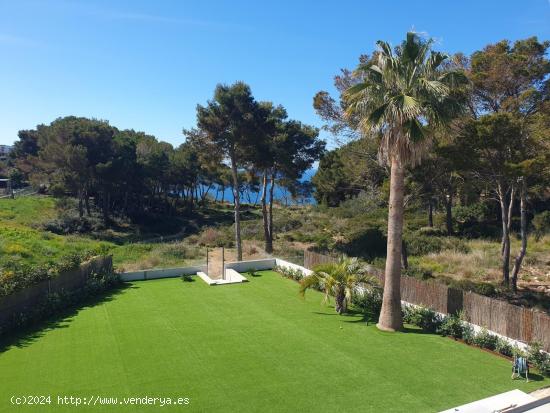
(68,225)
(15,276)
(291,273)
(481,230)
(284,223)
(504,347)
(418,244)
(366,202)
(425,318)
(187,278)
(369,302)
(451,326)
(470,214)
(539,359)
(486,289)
(484,339)
(431,231)
(418,272)
(468,334)
(55,302)
(481,288)
(367,243)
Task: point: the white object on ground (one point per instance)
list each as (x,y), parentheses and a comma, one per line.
(500,402)
(231,277)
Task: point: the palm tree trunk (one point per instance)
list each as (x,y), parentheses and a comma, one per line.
(390,315)
(340,302)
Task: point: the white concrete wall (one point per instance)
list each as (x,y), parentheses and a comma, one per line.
(161,273)
(244,266)
(290,265)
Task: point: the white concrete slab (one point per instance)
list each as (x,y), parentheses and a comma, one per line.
(492,404)
(206,278)
(231,277)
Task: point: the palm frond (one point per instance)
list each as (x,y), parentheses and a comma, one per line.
(337,277)
(385,47)
(311,281)
(403,93)
(377,114)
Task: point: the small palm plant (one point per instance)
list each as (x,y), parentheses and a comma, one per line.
(339,279)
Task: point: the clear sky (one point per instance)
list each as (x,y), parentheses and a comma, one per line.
(146,64)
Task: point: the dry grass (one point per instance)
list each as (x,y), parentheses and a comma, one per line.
(483,263)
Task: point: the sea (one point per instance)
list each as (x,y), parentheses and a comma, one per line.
(280,194)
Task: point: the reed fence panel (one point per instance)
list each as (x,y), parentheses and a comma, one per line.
(498,316)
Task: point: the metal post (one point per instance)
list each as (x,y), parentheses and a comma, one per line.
(207,261)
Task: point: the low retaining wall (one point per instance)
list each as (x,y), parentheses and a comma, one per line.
(238,266)
(245,266)
(232,271)
(292,266)
(161,273)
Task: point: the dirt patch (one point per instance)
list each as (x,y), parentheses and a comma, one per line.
(217,256)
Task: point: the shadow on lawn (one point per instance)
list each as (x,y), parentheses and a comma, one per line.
(365,318)
(27,335)
(535,377)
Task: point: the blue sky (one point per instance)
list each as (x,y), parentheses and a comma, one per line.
(146,64)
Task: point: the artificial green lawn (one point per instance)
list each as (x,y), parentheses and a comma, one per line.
(246,347)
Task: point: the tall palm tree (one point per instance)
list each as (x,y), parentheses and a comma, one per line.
(339,279)
(402,96)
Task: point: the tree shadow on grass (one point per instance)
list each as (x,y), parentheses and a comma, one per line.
(365,317)
(25,336)
(369,319)
(414,330)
